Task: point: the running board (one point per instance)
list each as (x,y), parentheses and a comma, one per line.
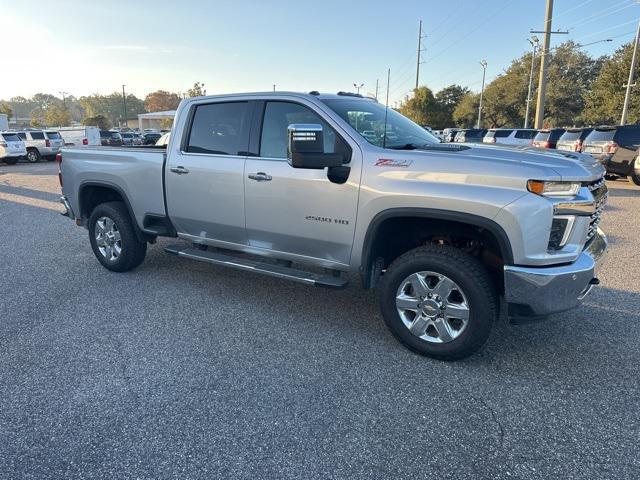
(279,271)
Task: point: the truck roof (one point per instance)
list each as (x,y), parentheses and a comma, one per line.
(312,94)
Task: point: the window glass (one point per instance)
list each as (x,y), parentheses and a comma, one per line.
(54,135)
(570,136)
(11,137)
(278,116)
(527,134)
(542,136)
(219,128)
(629,135)
(502,133)
(601,135)
(37,135)
(368,119)
(22,135)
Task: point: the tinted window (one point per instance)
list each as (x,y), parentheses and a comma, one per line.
(571,136)
(601,136)
(278,116)
(542,136)
(54,135)
(555,134)
(37,135)
(475,133)
(22,135)
(11,137)
(127,135)
(527,134)
(104,134)
(499,133)
(629,135)
(219,128)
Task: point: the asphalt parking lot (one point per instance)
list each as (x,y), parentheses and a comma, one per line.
(185,370)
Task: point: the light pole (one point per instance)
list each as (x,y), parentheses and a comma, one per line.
(534,43)
(124,103)
(484,73)
(358,87)
(64,98)
(630,84)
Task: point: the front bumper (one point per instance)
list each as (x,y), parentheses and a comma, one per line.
(540,291)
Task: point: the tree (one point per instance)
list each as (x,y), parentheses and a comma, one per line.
(99,121)
(422,107)
(466,113)
(6,109)
(161,100)
(197,90)
(603,104)
(166,123)
(111,106)
(57,116)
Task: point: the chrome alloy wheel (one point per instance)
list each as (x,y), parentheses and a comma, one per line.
(32,156)
(108,238)
(432,306)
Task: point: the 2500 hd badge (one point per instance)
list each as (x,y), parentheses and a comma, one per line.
(315,218)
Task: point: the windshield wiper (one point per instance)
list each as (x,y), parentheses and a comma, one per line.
(409,146)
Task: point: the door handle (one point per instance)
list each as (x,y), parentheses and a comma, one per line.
(260,177)
(179,170)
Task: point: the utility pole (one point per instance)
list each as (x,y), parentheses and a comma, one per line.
(542,82)
(419,60)
(484,73)
(534,43)
(376,89)
(64,98)
(274,87)
(358,87)
(632,73)
(124,103)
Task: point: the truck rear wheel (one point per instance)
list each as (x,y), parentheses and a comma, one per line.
(113,237)
(438,301)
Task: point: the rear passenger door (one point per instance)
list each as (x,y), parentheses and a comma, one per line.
(204,173)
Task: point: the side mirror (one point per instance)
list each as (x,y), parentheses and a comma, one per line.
(306,147)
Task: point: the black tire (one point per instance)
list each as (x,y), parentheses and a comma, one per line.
(33,155)
(132,251)
(466,272)
(634,177)
(11,160)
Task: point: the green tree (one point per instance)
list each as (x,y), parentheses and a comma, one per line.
(448,99)
(603,103)
(422,107)
(6,109)
(99,121)
(161,100)
(197,90)
(57,116)
(111,106)
(466,113)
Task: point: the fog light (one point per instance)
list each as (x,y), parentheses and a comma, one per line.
(560,230)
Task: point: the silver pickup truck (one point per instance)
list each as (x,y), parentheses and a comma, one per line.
(307,187)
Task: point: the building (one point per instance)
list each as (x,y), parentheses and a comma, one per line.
(156,120)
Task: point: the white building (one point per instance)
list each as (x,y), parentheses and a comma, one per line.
(156,120)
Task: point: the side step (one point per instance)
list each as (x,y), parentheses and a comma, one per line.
(280,271)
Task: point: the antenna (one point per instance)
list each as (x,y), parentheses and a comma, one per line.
(386,109)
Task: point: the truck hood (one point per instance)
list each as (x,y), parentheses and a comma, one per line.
(569,166)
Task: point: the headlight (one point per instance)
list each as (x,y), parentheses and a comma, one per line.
(553,189)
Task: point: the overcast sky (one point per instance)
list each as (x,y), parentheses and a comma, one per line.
(84,47)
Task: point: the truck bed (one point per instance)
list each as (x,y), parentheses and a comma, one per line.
(136,172)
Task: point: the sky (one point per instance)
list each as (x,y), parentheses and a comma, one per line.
(84,47)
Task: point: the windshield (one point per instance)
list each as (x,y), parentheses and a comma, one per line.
(368,119)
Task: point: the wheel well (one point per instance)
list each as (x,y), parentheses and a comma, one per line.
(93,195)
(395,236)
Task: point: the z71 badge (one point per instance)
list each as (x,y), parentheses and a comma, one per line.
(389,162)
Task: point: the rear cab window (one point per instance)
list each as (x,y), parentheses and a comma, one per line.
(219,129)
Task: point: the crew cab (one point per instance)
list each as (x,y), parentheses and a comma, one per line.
(310,187)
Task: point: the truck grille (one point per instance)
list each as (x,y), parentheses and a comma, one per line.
(600,194)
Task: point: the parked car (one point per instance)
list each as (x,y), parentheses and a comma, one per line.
(547,138)
(110,138)
(130,138)
(470,135)
(41,144)
(301,183)
(449,134)
(150,138)
(138,139)
(12,148)
(163,141)
(571,140)
(78,136)
(510,136)
(616,148)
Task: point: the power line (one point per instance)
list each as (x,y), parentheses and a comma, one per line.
(561,14)
(599,15)
(607,29)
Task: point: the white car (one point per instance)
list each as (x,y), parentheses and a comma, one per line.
(163,141)
(12,148)
(510,136)
(41,144)
(79,136)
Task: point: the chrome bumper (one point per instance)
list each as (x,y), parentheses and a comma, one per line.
(540,291)
(68,211)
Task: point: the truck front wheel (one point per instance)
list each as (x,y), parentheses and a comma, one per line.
(438,301)
(113,237)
